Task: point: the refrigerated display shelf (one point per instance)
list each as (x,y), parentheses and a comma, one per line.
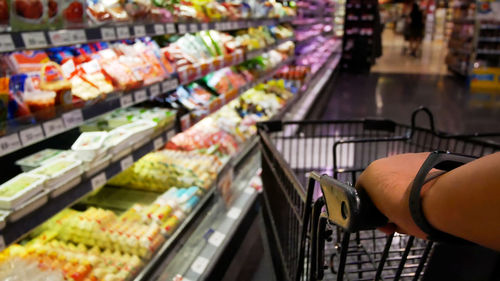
(308,39)
(488,52)
(489,39)
(336,49)
(39,39)
(18,137)
(13,231)
(489,26)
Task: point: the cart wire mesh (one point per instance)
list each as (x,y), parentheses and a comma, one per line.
(342,149)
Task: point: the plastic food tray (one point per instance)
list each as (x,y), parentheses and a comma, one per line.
(90,145)
(97,165)
(29,206)
(36,160)
(36,185)
(3,218)
(65,187)
(71,169)
(118,140)
(139,130)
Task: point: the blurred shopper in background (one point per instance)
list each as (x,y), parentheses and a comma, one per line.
(414,32)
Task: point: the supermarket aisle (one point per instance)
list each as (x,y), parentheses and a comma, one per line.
(394,96)
(394,61)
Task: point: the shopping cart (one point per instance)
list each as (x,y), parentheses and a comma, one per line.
(301,237)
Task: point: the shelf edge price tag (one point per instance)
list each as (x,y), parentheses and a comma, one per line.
(216,238)
(158,143)
(154,90)
(204,26)
(77,36)
(123,32)
(34,39)
(170,84)
(234,213)
(31,135)
(199,265)
(159,29)
(108,33)
(185,121)
(9,143)
(2,243)
(126,162)
(53,127)
(73,118)
(140,95)
(193,27)
(139,31)
(126,101)
(6,43)
(59,37)
(170,134)
(170,27)
(98,181)
(182,28)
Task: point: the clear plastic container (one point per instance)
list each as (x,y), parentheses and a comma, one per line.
(59,172)
(20,189)
(90,145)
(35,160)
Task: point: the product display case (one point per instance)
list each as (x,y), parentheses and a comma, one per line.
(129,133)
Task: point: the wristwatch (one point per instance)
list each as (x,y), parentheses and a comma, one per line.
(444,162)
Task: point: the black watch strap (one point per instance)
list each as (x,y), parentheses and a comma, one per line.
(440,160)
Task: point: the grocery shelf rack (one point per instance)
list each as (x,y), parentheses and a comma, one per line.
(39,39)
(48,207)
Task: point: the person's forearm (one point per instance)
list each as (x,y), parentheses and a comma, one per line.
(465,202)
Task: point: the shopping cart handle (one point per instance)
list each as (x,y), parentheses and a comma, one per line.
(348,207)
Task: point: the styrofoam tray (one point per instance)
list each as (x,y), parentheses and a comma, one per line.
(65,187)
(36,160)
(89,145)
(118,140)
(121,154)
(97,165)
(37,184)
(70,170)
(29,206)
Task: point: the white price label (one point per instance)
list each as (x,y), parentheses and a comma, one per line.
(108,33)
(73,118)
(139,30)
(154,90)
(126,162)
(170,134)
(9,143)
(77,36)
(158,143)
(169,85)
(199,265)
(204,26)
(170,27)
(218,26)
(31,135)
(126,101)
(182,28)
(193,27)
(123,32)
(159,29)
(249,190)
(53,127)
(233,213)
(33,40)
(98,181)
(140,95)
(185,121)
(2,243)
(216,238)
(6,43)
(60,37)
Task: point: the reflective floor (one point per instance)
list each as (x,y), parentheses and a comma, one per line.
(398,84)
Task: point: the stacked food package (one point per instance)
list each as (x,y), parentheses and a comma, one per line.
(53,14)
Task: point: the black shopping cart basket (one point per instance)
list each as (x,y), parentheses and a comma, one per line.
(306,245)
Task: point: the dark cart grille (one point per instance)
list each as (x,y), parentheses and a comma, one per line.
(342,149)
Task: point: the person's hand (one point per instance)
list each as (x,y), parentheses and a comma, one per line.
(387,181)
